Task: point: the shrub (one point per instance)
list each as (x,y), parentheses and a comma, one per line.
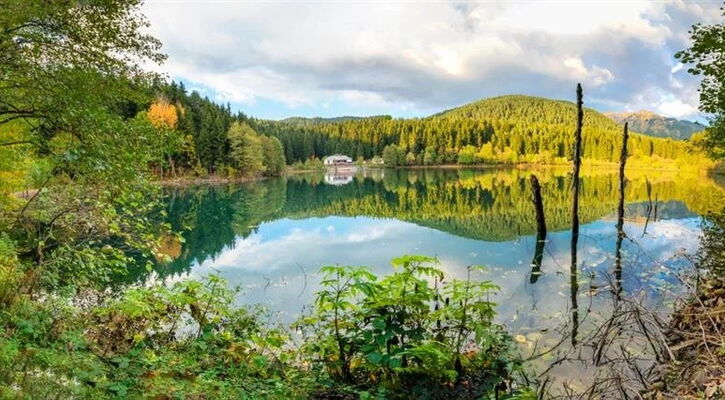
(392,156)
(467,155)
(411,158)
(412,332)
(430,156)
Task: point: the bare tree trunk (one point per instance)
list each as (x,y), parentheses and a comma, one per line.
(173,167)
(574,282)
(620,214)
(541,230)
(575,172)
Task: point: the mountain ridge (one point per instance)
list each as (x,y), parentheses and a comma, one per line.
(653,124)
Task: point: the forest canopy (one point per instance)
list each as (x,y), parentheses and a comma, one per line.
(507,129)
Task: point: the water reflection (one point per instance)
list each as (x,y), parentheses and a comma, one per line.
(340,176)
(489,206)
(271,237)
(540,229)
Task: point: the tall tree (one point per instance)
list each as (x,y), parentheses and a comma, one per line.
(162,114)
(246,149)
(164,117)
(391,156)
(71,72)
(707,58)
(274,161)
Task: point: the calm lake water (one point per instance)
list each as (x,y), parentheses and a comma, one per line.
(271,237)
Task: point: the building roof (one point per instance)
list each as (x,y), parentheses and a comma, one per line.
(338,156)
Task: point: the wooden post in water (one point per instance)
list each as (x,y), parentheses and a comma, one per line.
(541,230)
(600,349)
(575,171)
(620,214)
(574,282)
(538,206)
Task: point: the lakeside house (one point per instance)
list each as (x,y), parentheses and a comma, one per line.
(337,160)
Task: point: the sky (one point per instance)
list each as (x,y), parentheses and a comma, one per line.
(277,59)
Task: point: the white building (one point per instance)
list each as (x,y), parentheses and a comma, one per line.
(338,159)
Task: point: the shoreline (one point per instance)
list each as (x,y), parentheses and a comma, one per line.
(613,166)
(218,180)
(210,180)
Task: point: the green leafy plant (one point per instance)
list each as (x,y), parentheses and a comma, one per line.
(413,331)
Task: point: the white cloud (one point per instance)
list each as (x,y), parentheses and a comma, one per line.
(422,56)
(595,75)
(585,17)
(258,255)
(676,108)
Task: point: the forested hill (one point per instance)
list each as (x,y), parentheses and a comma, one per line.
(528,110)
(656,125)
(507,129)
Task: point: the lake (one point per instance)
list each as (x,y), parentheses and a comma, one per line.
(271,237)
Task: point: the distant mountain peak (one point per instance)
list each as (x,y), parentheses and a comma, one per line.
(653,124)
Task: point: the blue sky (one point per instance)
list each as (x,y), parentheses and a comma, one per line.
(281,58)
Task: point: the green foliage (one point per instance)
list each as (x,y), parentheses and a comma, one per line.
(467,155)
(430,157)
(507,129)
(182,341)
(393,156)
(67,70)
(83,236)
(411,159)
(15,161)
(253,154)
(706,56)
(188,330)
(71,74)
(274,162)
(204,125)
(310,164)
(246,151)
(401,336)
(414,332)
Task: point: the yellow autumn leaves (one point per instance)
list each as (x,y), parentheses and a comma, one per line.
(162,115)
